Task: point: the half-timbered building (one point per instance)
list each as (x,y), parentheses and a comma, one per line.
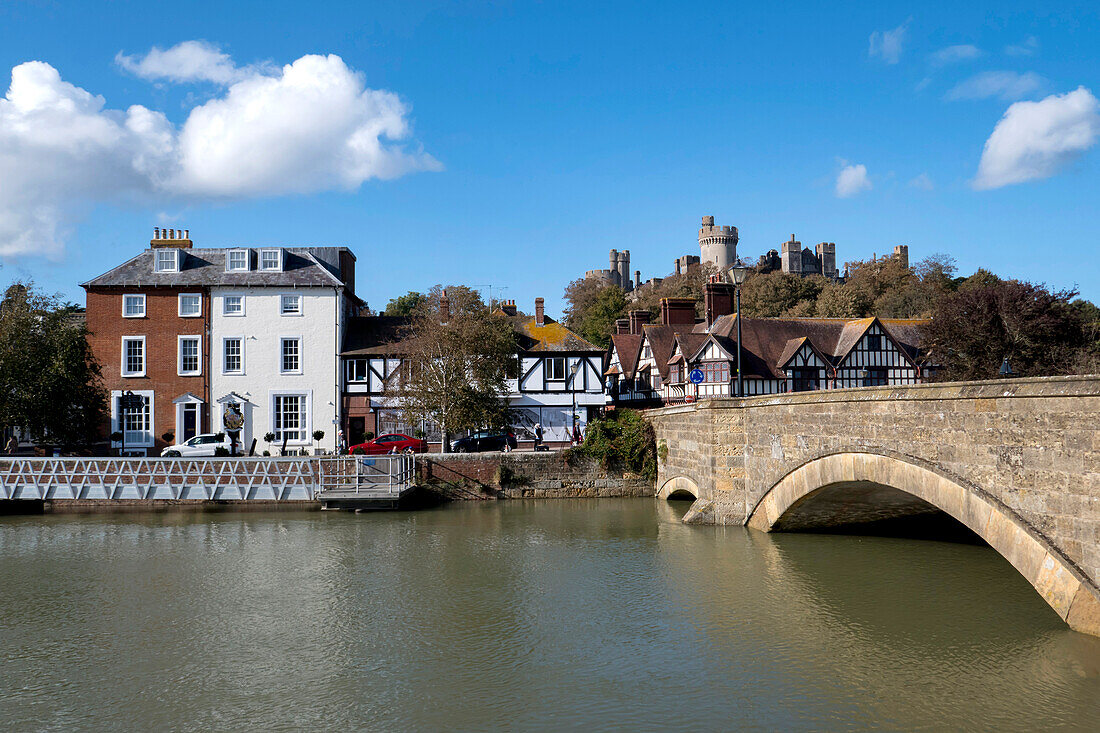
(556,372)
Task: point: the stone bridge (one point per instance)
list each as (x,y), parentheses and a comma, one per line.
(1015,461)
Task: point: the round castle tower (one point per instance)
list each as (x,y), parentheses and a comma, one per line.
(717,245)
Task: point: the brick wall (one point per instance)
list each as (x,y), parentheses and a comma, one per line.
(161,327)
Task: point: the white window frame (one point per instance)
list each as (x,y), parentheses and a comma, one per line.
(179,305)
(282,304)
(225,370)
(144,357)
(179,356)
(306,430)
(225,302)
(229,260)
(301,354)
(279,257)
(118,424)
(564,368)
(175,260)
(144,309)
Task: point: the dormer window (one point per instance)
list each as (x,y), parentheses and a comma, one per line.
(166,260)
(271,259)
(236,260)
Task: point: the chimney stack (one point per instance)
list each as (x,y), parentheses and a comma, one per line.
(677,311)
(622,325)
(717,301)
(540,312)
(638,318)
(444,308)
(509,307)
(175,238)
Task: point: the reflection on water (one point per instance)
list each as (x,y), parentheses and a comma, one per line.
(529,615)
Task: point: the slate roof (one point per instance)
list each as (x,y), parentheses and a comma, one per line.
(373,335)
(205,267)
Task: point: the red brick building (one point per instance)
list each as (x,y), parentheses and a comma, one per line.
(152,339)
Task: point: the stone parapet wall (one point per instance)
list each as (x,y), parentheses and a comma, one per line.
(1030,444)
(516,475)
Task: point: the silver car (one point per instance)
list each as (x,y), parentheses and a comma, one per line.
(200,445)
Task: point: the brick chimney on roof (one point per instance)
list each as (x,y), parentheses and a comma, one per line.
(638,318)
(508,306)
(174,238)
(444,308)
(540,312)
(717,300)
(677,311)
(622,325)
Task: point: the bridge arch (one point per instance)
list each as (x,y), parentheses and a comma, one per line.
(678,487)
(1072,595)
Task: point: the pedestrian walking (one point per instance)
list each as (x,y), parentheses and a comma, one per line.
(11,446)
(538,435)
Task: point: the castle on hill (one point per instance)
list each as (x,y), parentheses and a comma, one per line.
(718,247)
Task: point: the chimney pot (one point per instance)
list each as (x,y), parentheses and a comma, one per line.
(156,232)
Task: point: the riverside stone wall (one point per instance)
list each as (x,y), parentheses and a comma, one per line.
(522,475)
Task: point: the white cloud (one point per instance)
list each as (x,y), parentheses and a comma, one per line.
(308,127)
(887,45)
(955,54)
(1029,47)
(1036,139)
(187,61)
(922,182)
(851,180)
(1006,85)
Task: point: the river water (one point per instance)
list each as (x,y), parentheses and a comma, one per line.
(601,614)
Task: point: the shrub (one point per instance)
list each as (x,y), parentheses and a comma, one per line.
(318,434)
(117,436)
(418,433)
(168,436)
(662,451)
(219,436)
(358,451)
(269,437)
(369,435)
(267,454)
(221,452)
(623,439)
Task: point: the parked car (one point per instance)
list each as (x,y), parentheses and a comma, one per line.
(200,445)
(388,443)
(485,440)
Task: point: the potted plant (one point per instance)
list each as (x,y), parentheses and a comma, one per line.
(318,436)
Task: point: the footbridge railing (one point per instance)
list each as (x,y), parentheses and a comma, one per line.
(236,479)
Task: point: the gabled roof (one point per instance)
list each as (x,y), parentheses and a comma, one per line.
(302,267)
(693,343)
(628,346)
(661,340)
(378,335)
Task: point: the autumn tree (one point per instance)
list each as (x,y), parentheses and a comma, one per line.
(50,384)
(457,358)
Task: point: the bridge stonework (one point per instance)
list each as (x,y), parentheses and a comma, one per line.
(1017,461)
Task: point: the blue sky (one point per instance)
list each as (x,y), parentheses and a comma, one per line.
(528,139)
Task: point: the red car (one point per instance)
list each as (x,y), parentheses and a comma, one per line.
(391,443)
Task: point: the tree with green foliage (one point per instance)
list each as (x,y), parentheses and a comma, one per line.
(404,305)
(50,383)
(622,439)
(598,321)
(778,293)
(456,360)
(987,319)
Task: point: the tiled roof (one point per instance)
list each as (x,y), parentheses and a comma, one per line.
(302,267)
(661,340)
(366,335)
(627,346)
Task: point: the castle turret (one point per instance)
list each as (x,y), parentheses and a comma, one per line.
(901,254)
(717,244)
(624,271)
(792,256)
(613,267)
(826,258)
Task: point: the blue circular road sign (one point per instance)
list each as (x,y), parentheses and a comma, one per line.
(696,376)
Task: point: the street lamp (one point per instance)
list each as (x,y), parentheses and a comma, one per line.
(737,273)
(1006,369)
(573,392)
